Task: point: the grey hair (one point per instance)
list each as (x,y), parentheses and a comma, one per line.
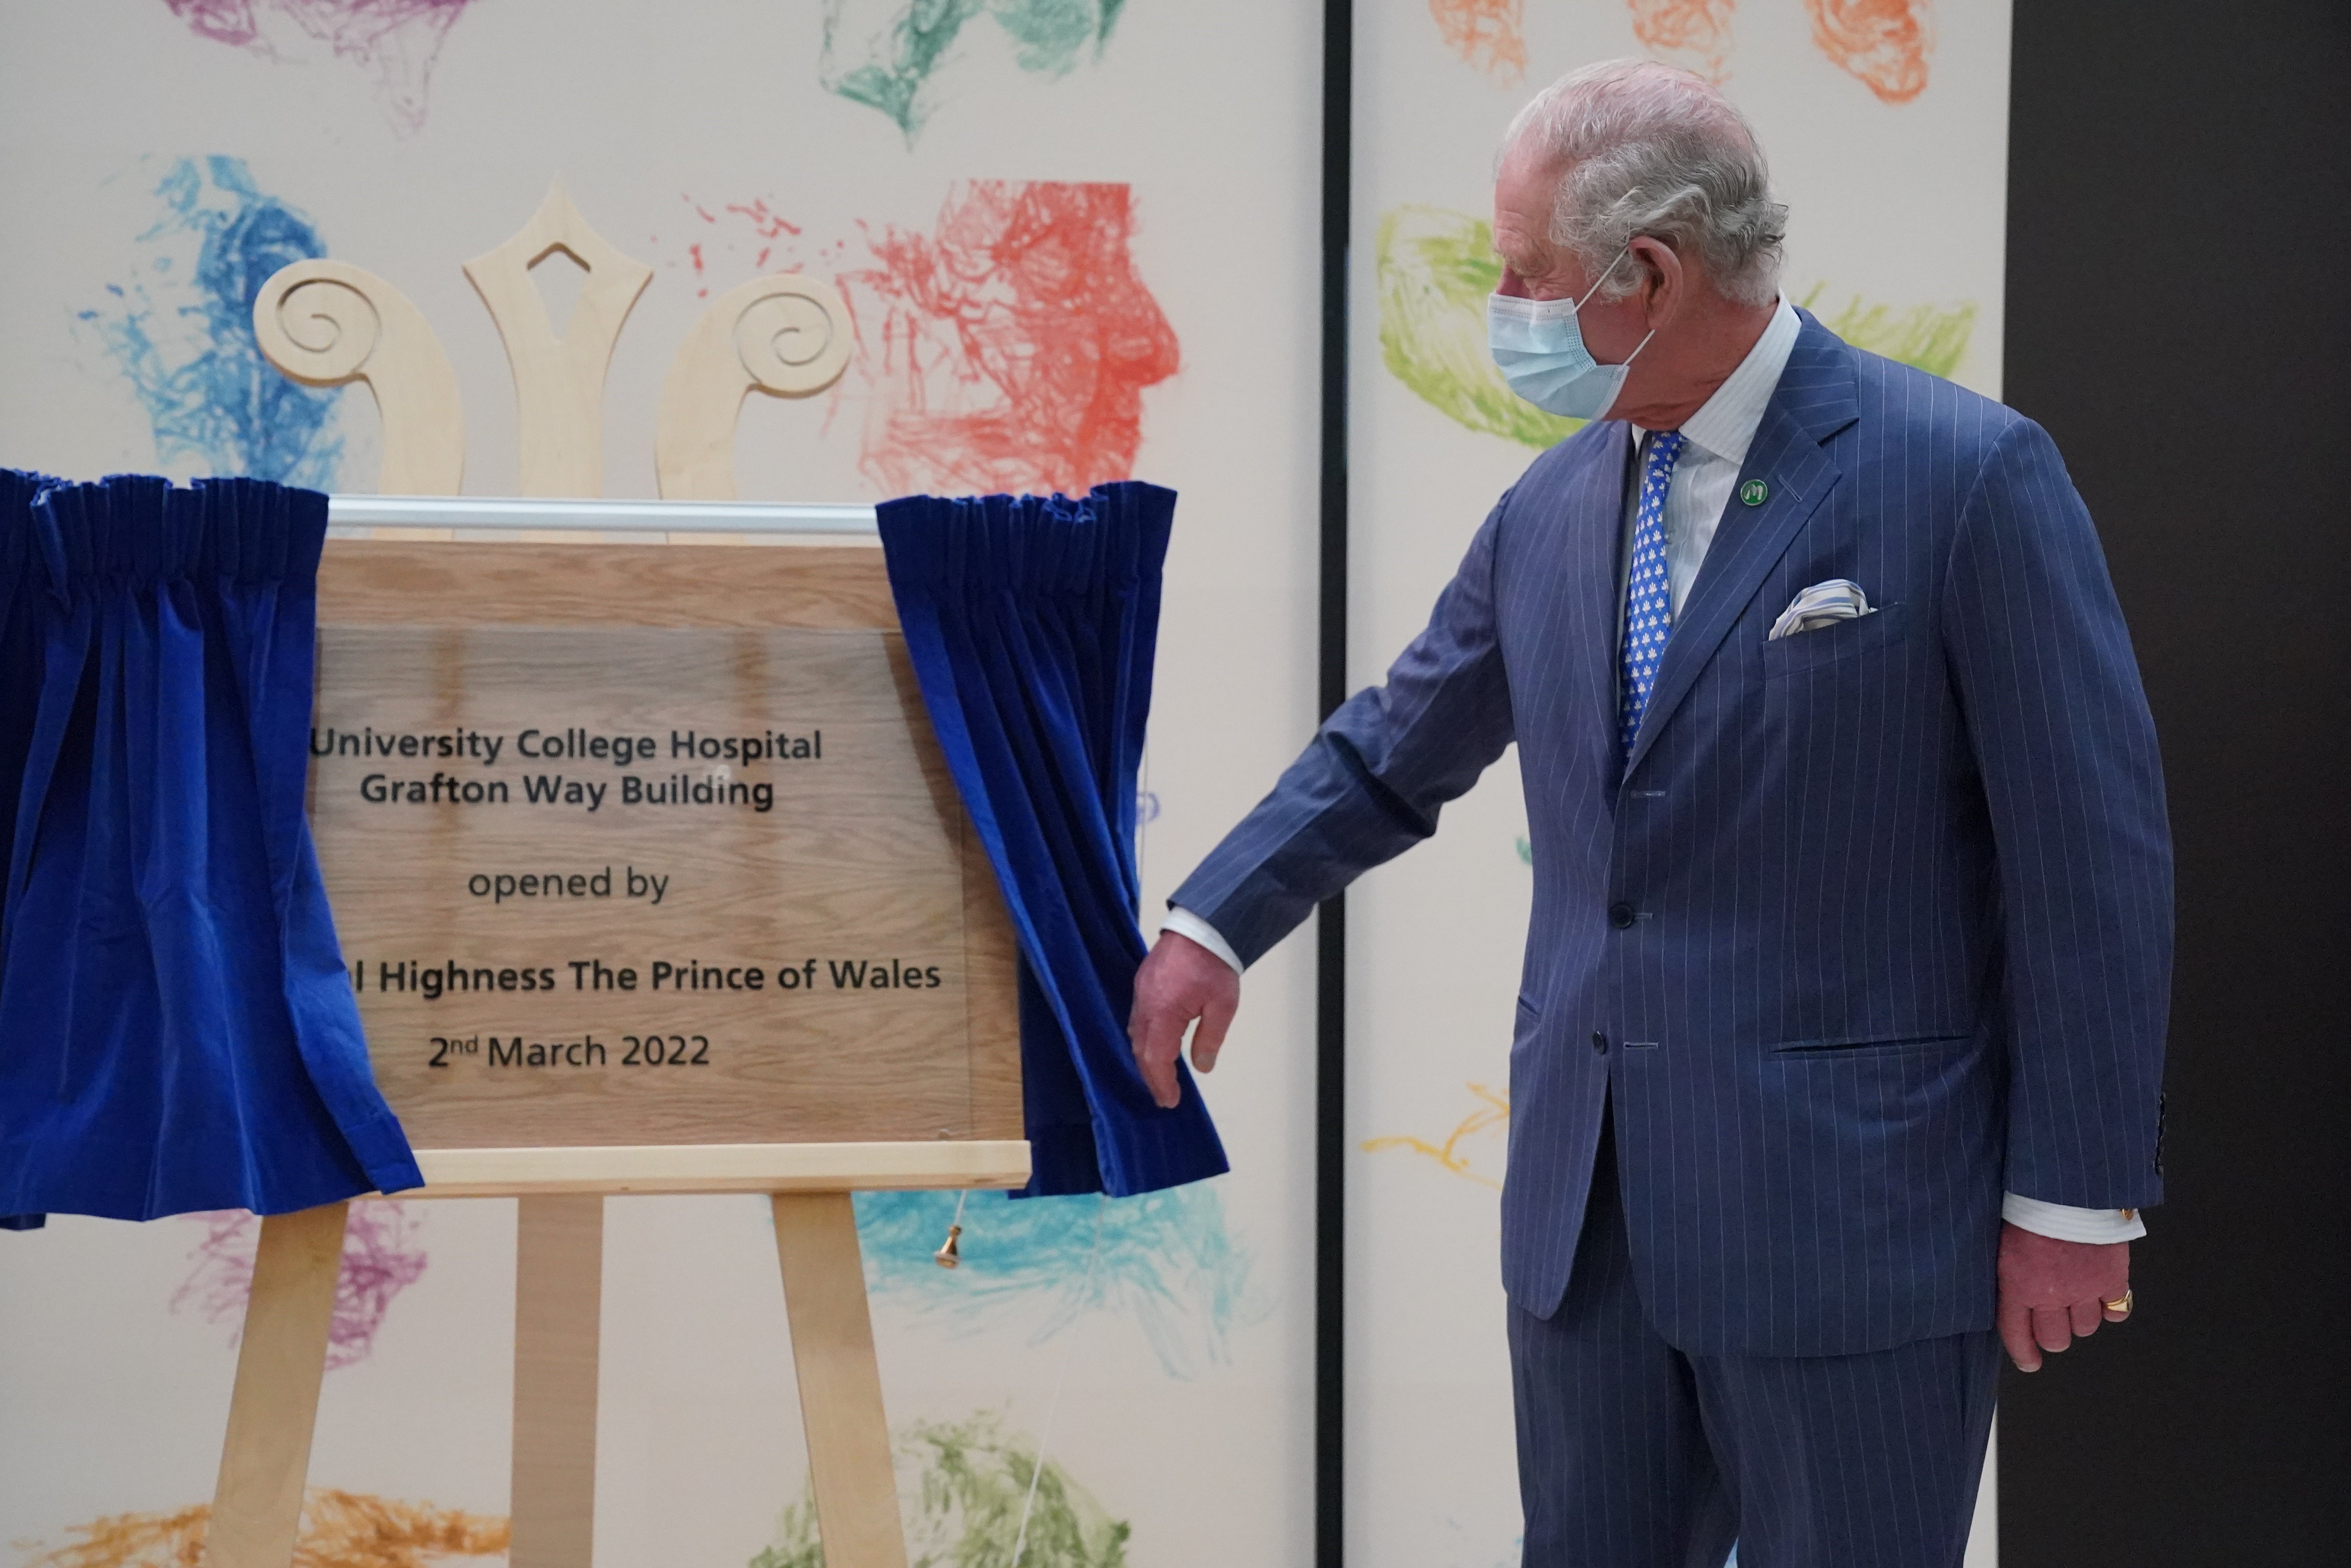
(1651,149)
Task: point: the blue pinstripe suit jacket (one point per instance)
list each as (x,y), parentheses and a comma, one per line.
(1874,922)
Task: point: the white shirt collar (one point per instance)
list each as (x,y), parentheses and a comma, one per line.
(1726,423)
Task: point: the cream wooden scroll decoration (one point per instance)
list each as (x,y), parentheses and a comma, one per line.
(560,379)
(326,323)
(788,335)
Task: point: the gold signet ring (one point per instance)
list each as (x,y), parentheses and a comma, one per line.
(2121,1303)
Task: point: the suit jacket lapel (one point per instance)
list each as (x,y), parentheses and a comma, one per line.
(1816,398)
(1591,528)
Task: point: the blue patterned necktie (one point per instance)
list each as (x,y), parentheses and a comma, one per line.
(1648,589)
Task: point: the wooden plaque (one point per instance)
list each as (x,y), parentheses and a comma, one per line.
(645,846)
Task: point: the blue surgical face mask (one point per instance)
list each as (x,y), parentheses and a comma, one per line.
(1539,345)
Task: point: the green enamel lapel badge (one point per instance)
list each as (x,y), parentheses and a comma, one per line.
(1754,493)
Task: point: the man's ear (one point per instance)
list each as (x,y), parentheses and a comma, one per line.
(1663,280)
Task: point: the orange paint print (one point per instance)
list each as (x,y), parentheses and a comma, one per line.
(1008,350)
(1692,33)
(1485,33)
(1475,1148)
(1882,42)
(340,1529)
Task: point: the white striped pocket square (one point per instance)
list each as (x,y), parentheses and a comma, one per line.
(1823,603)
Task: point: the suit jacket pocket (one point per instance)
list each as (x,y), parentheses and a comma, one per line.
(1876,1045)
(1835,643)
(1525,1024)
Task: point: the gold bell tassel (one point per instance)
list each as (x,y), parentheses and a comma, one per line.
(951,1255)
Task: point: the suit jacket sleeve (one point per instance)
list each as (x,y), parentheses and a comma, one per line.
(2074,786)
(1370,785)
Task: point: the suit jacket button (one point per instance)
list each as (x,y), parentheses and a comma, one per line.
(1621,916)
(1600,1042)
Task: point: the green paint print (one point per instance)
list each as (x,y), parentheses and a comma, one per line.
(1933,338)
(883,53)
(961,1486)
(898,60)
(1052,34)
(1435,269)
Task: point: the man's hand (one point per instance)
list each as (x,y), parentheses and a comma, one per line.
(2052,1292)
(1181,981)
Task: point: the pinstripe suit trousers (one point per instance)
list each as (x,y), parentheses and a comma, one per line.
(1635,1455)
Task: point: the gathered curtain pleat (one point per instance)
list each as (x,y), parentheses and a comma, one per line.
(22,596)
(1031,623)
(177,1029)
(21,639)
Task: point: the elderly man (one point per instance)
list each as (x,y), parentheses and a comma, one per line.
(1839,1040)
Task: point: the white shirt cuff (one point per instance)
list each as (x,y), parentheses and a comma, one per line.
(2102,1226)
(1184,923)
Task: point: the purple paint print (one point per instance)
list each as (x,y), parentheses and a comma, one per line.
(383,1256)
(395,42)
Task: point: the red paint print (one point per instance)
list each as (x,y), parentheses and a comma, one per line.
(396,42)
(725,257)
(382,1258)
(1692,33)
(769,223)
(1005,349)
(1884,42)
(1485,33)
(765,221)
(1008,350)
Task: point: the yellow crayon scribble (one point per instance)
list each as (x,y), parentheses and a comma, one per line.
(340,1529)
(1451,1153)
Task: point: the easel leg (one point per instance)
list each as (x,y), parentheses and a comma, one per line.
(266,1457)
(558,1299)
(840,1383)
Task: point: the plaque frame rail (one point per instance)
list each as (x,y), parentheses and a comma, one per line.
(329,323)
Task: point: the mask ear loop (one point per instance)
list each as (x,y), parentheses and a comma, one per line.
(1595,289)
(1601,279)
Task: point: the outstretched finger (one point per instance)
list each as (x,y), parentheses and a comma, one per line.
(1158,1032)
(1208,1039)
(2016,1334)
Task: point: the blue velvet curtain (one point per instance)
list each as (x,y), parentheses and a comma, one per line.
(20,674)
(177,1030)
(1032,622)
(21,637)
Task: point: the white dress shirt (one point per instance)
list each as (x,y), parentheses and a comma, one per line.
(1714,449)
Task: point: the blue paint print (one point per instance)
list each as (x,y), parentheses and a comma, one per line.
(181,333)
(1166,1262)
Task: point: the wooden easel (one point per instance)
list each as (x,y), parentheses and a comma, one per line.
(327,322)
